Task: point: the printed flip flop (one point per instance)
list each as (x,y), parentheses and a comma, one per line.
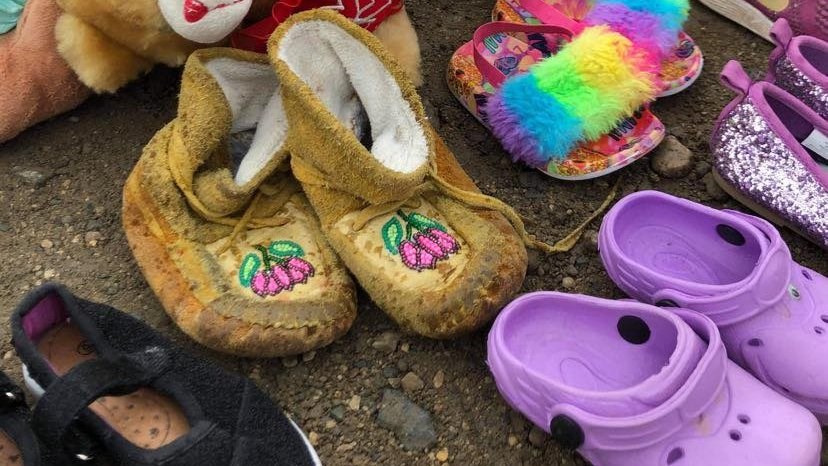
(680,68)
(503,51)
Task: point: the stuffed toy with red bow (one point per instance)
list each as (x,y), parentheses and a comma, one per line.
(101,45)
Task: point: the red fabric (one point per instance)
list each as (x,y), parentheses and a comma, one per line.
(366,13)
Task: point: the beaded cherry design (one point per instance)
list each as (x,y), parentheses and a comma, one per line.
(421,243)
(280,268)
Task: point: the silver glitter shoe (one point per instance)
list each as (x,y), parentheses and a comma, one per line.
(770,152)
(799,65)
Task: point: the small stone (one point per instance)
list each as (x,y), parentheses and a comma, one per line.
(568,282)
(517,421)
(49,274)
(313,437)
(290,361)
(74,119)
(346,447)
(513,440)
(338,412)
(411,382)
(672,159)
(390,372)
(354,403)
(309,356)
(47,244)
(4,227)
(402,366)
(713,189)
(592,238)
(534,260)
(571,270)
(386,342)
(537,437)
(442,455)
(405,347)
(8,355)
(410,423)
(330,424)
(92,238)
(439,379)
(32,177)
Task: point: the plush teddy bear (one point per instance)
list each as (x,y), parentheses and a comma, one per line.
(108,43)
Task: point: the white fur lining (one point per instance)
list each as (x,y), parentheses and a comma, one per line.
(252,91)
(338,68)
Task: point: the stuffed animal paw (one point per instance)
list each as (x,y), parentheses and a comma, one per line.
(35,82)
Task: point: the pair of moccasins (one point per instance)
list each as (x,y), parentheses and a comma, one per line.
(110,390)
(338,170)
(629,383)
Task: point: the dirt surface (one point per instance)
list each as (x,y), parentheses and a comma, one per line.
(66,226)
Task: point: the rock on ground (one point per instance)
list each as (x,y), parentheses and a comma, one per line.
(411,423)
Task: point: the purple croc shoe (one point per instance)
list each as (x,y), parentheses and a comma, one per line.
(770,152)
(799,65)
(736,270)
(630,384)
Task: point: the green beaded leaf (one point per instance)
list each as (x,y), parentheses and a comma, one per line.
(283,249)
(249,266)
(392,235)
(423,223)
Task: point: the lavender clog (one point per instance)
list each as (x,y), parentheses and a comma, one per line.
(799,65)
(770,152)
(736,270)
(630,384)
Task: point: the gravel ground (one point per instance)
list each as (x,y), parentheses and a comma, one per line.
(60,188)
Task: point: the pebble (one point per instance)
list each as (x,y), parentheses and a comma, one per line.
(313,437)
(49,274)
(513,440)
(390,372)
(4,227)
(568,282)
(386,342)
(405,347)
(47,244)
(290,361)
(517,421)
(410,423)
(592,238)
(330,424)
(309,356)
(92,238)
(713,189)
(571,270)
(338,412)
(442,455)
(32,177)
(412,382)
(439,379)
(672,159)
(8,355)
(537,437)
(354,403)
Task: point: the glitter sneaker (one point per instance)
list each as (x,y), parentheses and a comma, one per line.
(770,152)
(799,65)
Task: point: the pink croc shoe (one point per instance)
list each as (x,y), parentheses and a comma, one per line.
(770,152)
(736,270)
(630,384)
(799,65)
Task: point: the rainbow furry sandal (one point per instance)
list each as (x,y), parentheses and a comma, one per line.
(578,114)
(656,22)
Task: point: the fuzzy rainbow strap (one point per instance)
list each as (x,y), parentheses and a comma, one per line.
(606,73)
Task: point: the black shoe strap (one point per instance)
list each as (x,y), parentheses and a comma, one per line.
(68,396)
